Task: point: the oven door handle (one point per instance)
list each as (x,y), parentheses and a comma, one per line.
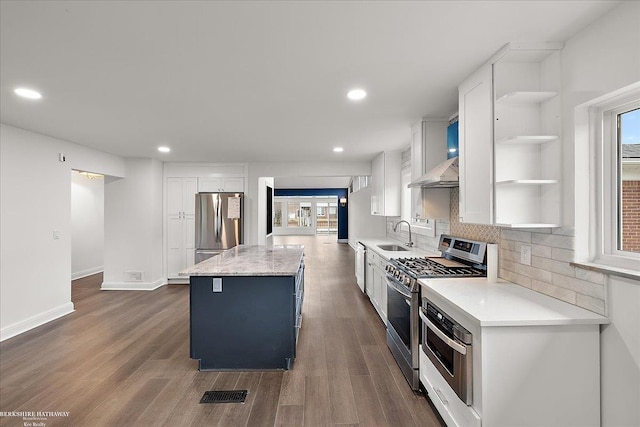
(395,288)
(448,341)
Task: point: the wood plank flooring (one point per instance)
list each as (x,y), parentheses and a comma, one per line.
(122,359)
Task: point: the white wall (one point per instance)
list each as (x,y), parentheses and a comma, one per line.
(133,227)
(87,225)
(603,57)
(35,201)
(600,59)
(361,223)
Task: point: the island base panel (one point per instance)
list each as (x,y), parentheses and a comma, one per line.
(249,325)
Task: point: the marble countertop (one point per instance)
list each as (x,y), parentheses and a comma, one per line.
(504,303)
(373,242)
(276,260)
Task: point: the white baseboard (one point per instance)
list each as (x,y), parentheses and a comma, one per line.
(87,272)
(343,240)
(132,286)
(35,321)
(180,281)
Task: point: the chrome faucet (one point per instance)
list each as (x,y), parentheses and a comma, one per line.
(395,228)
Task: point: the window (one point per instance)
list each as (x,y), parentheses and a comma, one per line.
(607,180)
(628,136)
(277,215)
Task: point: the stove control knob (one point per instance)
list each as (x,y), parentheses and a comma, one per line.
(407,281)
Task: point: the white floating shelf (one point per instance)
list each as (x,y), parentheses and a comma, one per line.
(529,225)
(527,139)
(527,182)
(526,97)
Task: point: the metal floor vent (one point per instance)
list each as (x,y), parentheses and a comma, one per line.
(224,396)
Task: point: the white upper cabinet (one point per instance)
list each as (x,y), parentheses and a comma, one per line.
(385,184)
(527,137)
(221,185)
(509,139)
(475,145)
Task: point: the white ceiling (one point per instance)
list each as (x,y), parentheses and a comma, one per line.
(254,81)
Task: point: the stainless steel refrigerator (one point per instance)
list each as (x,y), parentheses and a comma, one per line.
(219,223)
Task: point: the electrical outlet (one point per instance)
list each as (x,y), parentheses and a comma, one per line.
(56,234)
(525,255)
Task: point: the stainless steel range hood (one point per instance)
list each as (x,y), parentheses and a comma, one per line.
(442,176)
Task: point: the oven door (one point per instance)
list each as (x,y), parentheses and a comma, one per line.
(402,318)
(399,312)
(451,357)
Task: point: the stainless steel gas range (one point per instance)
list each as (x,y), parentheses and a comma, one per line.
(460,258)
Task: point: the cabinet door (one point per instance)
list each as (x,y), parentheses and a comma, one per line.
(383,297)
(174,196)
(175,246)
(209,185)
(476,147)
(233,185)
(189,191)
(369,274)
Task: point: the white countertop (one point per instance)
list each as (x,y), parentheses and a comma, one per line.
(372,243)
(505,304)
(276,260)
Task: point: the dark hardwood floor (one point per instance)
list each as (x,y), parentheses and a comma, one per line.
(122,359)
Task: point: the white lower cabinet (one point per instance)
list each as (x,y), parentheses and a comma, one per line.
(452,410)
(531,375)
(376,283)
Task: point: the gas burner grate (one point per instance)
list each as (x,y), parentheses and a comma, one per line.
(224,396)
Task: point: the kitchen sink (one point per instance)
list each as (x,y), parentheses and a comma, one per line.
(393,248)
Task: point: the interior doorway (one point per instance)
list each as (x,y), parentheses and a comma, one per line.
(87,225)
(304,216)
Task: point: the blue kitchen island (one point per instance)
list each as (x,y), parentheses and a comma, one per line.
(246,308)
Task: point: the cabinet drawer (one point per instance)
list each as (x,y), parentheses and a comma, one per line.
(452,410)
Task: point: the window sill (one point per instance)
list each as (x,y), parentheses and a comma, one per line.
(607,269)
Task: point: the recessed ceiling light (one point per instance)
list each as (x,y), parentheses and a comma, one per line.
(27,93)
(338,149)
(164,149)
(356,94)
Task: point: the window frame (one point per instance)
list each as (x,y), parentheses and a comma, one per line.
(598,192)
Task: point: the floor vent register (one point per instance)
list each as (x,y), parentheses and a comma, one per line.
(224,396)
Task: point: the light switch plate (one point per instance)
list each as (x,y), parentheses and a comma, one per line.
(525,255)
(217,284)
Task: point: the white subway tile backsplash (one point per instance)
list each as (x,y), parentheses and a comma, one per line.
(590,276)
(592,304)
(553,266)
(554,240)
(564,231)
(566,255)
(506,255)
(550,271)
(541,251)
(580,286)
(518,236)
(515,278)
(546,288)
(533,272)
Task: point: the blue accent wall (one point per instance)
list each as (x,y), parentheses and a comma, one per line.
(343,212)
